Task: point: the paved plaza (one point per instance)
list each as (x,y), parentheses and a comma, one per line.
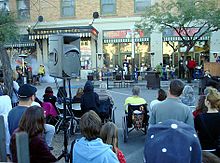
(133,149)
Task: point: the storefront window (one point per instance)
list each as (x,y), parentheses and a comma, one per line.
(86,58)
(116,53)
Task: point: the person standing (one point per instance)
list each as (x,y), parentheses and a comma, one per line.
(126,67)
(191,66)
(181,68)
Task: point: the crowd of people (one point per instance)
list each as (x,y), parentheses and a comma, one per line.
(176,132)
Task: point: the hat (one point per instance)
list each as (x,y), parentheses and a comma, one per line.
(172,142)
(26,90)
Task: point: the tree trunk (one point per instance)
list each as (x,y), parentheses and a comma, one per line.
(7,70)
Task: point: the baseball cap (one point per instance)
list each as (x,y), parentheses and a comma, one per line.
(26,90)
(172,141)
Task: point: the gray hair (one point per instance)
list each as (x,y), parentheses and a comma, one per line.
(136,90)
(103,86)
(188,91)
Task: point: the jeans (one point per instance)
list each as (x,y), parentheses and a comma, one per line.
(49,133)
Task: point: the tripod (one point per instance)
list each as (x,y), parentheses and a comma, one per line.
(65,124)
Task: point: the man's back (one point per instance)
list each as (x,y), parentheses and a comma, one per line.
(14,117)
(171,108)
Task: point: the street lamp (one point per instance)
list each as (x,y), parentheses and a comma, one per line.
(133,34)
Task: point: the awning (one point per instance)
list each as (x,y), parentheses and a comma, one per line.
(177,38)
(120,40)
(45,36)
(19,45)
(81,31)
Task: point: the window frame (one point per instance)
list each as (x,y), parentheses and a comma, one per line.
(26,10)
(73,6)
(105,13)
(137,11)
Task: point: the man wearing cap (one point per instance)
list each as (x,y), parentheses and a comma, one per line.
(172,107)
(26,95)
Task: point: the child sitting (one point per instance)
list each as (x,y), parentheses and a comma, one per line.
(109,135)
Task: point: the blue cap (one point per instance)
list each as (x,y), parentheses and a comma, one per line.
(172,142)
(26,90)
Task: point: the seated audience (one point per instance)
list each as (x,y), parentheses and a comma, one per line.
(206,124)
(49,96)
(26,95)
(172,107)
(90,148)
(32,122)
(135,98)
(162,95)
(200,108)
(188,96)
(77,97)
(172,141)
(109,135)
(90,99)
(61,94)
(5,107)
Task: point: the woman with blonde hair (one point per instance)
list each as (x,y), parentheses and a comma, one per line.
(206,124)
(109,135)
(77,97)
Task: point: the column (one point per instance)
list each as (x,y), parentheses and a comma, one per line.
(156,47)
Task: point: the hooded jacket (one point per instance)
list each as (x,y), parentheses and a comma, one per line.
(5,107)
(94,151)
(90,99)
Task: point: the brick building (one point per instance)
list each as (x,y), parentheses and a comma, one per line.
(105,43)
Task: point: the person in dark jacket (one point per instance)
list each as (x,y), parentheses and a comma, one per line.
(32,122)
(49,96)
(90,99)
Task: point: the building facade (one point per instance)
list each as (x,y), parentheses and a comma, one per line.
(106,41)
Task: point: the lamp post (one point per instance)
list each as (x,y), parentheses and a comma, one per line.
(133,34)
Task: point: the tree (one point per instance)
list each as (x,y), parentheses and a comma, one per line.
(8,31)
(190,19)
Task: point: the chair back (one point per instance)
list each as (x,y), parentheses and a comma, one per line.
(118,77)
(128,77)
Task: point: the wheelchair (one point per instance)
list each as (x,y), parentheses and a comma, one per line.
(135,119)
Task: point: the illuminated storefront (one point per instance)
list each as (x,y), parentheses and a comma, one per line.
(117,46)
(173,48)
